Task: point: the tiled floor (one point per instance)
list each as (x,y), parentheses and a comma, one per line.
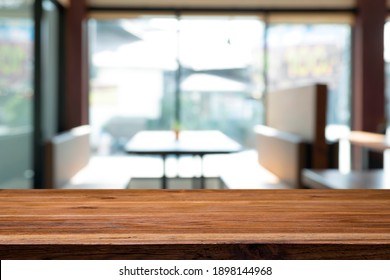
(175,183)
(116,172)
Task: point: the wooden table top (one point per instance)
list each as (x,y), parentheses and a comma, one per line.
(190,142)
(374,141)
(139,217)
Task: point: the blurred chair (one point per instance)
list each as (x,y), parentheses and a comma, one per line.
(294,135)
(66,154)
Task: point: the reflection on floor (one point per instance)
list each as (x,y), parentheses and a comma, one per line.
(175,183)
(120,172)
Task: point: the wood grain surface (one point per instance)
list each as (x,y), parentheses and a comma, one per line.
(194,224)
(369,140)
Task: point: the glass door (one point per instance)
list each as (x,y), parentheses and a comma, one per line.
(132,82)
(16,93)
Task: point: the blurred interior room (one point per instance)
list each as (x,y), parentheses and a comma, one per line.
(197,129)
(217,94)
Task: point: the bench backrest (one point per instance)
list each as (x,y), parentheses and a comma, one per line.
(297,119)
(66,154)
(281,153)
(300,111)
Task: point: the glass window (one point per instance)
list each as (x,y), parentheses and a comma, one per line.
(299,54)
(50,68)
(387,68)
(215,66)
(221,60)
(134,63)
(16,93)
(136,76)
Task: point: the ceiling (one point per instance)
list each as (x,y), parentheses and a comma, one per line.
(340,4)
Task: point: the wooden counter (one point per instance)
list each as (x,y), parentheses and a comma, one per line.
(194,224)
(369,140)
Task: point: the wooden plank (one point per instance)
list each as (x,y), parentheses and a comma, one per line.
(369,140)
(214,224)
(198,251)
